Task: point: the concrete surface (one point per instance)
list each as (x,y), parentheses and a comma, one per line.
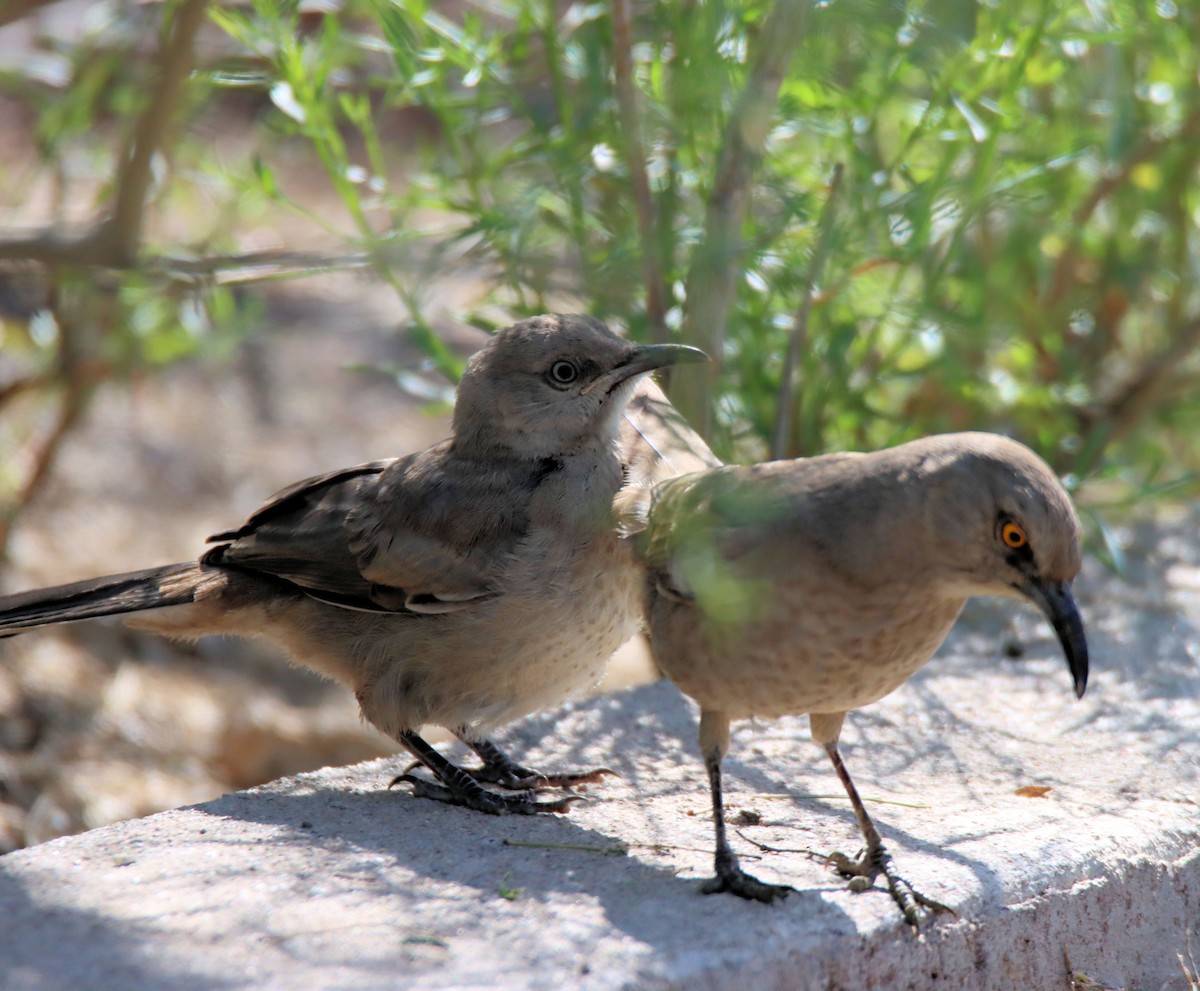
(328,880)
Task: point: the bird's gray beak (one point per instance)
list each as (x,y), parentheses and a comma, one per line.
(1059,606)
(646,358)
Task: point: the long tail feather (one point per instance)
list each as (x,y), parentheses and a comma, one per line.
(108,596)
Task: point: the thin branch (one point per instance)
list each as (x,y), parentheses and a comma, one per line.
(43,460)
(54,248)
(14,10)
(767,848)
(112,242)
(1122,411)
(788,396)
(620,849)
(77,377)
(123,230)
(264,264)
(255,266)
(635,163)
(19,386)
(1056,286)
(712,278)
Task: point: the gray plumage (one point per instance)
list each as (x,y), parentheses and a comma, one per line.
(465,585)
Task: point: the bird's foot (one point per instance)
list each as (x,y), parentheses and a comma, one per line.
(914,906)
(501,770)
(482,800)
(737,882)
(514,777)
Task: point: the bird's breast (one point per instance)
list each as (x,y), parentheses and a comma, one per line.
(802,654)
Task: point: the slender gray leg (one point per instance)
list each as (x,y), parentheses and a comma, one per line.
(875,859)
(730,877)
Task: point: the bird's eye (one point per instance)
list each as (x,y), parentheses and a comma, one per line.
(563,373)
(1013,535)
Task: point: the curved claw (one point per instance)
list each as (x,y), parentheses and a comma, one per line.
(909,898)
(519,778)
(870,865)
(521,803)
(406,776)
(602,771)
(568,779)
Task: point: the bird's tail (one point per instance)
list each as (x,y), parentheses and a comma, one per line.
(169,585)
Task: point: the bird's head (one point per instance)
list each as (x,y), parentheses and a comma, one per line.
(1007,525)
(552,386)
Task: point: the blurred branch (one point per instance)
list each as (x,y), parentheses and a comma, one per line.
(716,265)
(19,386)
(54,248)
(798,342)
(112,242)
(76,376)
(255,266)
(1113,419)
(635,162)
(1064,267)
(123,230)
(14,10)
(68,416)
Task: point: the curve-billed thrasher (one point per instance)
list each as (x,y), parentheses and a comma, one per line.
(820,585)
(464,586)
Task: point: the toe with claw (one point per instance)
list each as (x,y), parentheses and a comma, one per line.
(482,800)
(502,771)
(876,861)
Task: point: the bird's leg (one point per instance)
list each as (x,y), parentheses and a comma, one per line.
(875,859)
(501,770)
(456,786)
(730,877)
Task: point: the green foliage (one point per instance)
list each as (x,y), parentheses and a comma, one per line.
(1012,247)
(1013,244)
(86,96)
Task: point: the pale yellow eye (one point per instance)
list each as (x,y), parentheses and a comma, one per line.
(1013,536)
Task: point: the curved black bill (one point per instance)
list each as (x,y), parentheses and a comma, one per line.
(647,357)
(642,359)
(1059,606)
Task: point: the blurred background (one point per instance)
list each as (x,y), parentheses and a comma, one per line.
(242,243)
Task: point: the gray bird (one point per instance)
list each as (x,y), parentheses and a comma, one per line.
(465,586)
(822,584)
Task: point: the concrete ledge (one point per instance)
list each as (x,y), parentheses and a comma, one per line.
(327,880)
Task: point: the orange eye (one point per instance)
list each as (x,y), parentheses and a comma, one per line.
(1013,536)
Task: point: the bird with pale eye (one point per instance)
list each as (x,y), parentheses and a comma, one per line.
(462,586)
(822,584)
(563,373)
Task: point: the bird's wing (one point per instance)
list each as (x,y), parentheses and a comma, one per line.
(423,534)
(714,529)
(701,524)
(441,530)
(299,535)
(707,508)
